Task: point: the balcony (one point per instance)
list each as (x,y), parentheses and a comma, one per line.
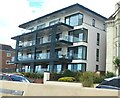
(26,57)
(26,43)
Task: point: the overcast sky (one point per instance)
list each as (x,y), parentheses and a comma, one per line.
(16,12)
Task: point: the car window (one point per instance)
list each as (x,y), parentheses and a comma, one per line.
(114,82)
(15,78)
(5,78)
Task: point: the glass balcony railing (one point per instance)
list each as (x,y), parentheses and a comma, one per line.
(42,56)
(26,57)
(27,43)
(66,38)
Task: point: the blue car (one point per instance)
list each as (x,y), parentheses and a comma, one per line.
(110,83)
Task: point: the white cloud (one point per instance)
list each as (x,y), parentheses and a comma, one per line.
(16,12)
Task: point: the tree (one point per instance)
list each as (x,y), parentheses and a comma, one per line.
(116,62)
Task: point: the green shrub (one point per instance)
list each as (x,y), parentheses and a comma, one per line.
(78,76)
(67,79)
(109,74)
(87,79)
(55,76)
(97,78)
(68,73)
(32,75)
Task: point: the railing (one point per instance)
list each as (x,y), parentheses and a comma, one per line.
(26,57)
(27,43)
(66,38)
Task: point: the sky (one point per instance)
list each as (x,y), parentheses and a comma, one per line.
(16,12)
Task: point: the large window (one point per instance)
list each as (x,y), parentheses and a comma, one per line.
(74,20)
(79,35)
(79,52)
(77,67)
(57,68)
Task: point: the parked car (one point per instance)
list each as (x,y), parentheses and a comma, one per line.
(110,83)
(14,77)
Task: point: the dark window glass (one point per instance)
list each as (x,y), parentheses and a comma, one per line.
(97,54)
(77,67)
(97,67)
(49,38)
(58,36)
(79,35)
(114,82)
(74,20)
(93,22)
(98,39)
(79,52)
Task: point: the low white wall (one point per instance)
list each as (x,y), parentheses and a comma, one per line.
(32,89)
(63,83)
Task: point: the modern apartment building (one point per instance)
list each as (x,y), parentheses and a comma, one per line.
(7,56)
(113,39)
(71,38)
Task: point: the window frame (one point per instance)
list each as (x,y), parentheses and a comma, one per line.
(79,23)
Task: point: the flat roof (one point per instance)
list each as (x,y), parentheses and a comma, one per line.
(74,5)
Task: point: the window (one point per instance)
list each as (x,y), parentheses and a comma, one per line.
(7,61)
(8,54)
(97,67)
(74,20)
(40,26)
(54,22)
(40,40)
(104,27)
(79,52)
(93,22)
(98,39)
(31,28)
(58,53)
(57,68)
(49,38)
(48,54)
(58,36)
(77,67)
(117,31)
(79,35)
(97,54)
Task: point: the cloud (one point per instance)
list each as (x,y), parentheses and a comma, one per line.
(16,12)
(12,14)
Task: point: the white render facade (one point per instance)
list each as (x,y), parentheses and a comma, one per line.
(88,37)
(113,39)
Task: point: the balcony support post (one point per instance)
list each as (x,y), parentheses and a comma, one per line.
(52,48)
(17,48)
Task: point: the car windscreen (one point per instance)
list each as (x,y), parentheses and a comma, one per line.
(114,82)
(18,78)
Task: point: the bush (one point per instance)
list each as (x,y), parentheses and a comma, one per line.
(32,75)
(109,74)
(78,76)
(97,78)
(87,79)
(68,73)
(55,76)
(67,79)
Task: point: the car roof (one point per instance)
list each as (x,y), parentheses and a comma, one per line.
(109,79)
